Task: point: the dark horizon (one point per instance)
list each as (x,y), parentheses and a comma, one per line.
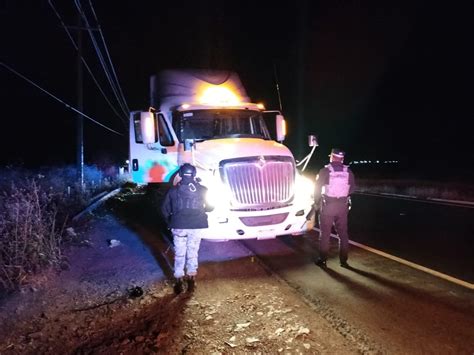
(383,82)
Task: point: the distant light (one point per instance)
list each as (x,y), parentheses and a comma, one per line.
(261,106)
(377,161)
(185,106)
(127,161)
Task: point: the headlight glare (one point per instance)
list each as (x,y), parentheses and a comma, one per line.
(304,188)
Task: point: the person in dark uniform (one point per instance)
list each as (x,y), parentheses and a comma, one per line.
(334,185)
(184,209)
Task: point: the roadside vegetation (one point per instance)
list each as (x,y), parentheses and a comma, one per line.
(457,191)
(36,208)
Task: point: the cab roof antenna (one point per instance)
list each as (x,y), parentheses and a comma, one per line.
(277,86)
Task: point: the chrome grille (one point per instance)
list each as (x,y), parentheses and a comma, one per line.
(260,182)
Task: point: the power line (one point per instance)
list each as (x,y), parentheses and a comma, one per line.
(124,119)
(108,56)
(101,58)
(58,99)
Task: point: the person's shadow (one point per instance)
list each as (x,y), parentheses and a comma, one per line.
(398,287)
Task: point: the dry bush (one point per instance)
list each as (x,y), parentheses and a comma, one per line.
(63,181)
(34,209)
(30,237)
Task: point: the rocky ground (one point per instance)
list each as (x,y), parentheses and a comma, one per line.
(117,299)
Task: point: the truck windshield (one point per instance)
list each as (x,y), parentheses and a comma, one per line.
(216,124)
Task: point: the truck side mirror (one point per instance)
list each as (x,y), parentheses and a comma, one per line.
(312,140)
(280,128)
(148,127)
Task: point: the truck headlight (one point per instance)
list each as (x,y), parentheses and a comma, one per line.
(304,188)
(217,195)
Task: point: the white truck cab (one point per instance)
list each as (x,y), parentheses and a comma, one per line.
(205,118)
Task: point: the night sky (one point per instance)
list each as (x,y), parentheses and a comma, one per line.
(382,81)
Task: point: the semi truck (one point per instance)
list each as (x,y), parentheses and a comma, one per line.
(204,117)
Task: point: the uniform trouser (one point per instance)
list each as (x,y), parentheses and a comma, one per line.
(186,248)
(333,213)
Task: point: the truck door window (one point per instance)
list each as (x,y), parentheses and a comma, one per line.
(164,132)
(137,128)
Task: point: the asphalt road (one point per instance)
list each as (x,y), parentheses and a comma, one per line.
(405,310)
(435,235)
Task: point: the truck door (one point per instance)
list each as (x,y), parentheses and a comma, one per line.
(153,148)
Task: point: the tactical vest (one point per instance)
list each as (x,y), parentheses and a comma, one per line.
(338,185)
(189,197)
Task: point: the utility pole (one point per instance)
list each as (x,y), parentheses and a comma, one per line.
(80,98)
(80,107)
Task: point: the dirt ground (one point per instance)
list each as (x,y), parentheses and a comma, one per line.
(117,299)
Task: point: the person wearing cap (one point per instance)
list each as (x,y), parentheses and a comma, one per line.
(184,208)
(334,185)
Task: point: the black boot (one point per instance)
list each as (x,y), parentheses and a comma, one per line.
(345,264)
(191,283)
(321,263)
(178,286)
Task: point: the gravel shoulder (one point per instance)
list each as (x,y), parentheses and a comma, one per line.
(238,307)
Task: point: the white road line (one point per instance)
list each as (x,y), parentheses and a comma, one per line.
(469,203)
(409,263)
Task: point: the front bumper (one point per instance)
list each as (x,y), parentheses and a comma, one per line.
(235,225)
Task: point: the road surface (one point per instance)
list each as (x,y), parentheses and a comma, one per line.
(401,308)
(436,235)
(406,310)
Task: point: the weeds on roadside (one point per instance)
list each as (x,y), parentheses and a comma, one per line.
(30,233)
(35,207)
(418,188)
